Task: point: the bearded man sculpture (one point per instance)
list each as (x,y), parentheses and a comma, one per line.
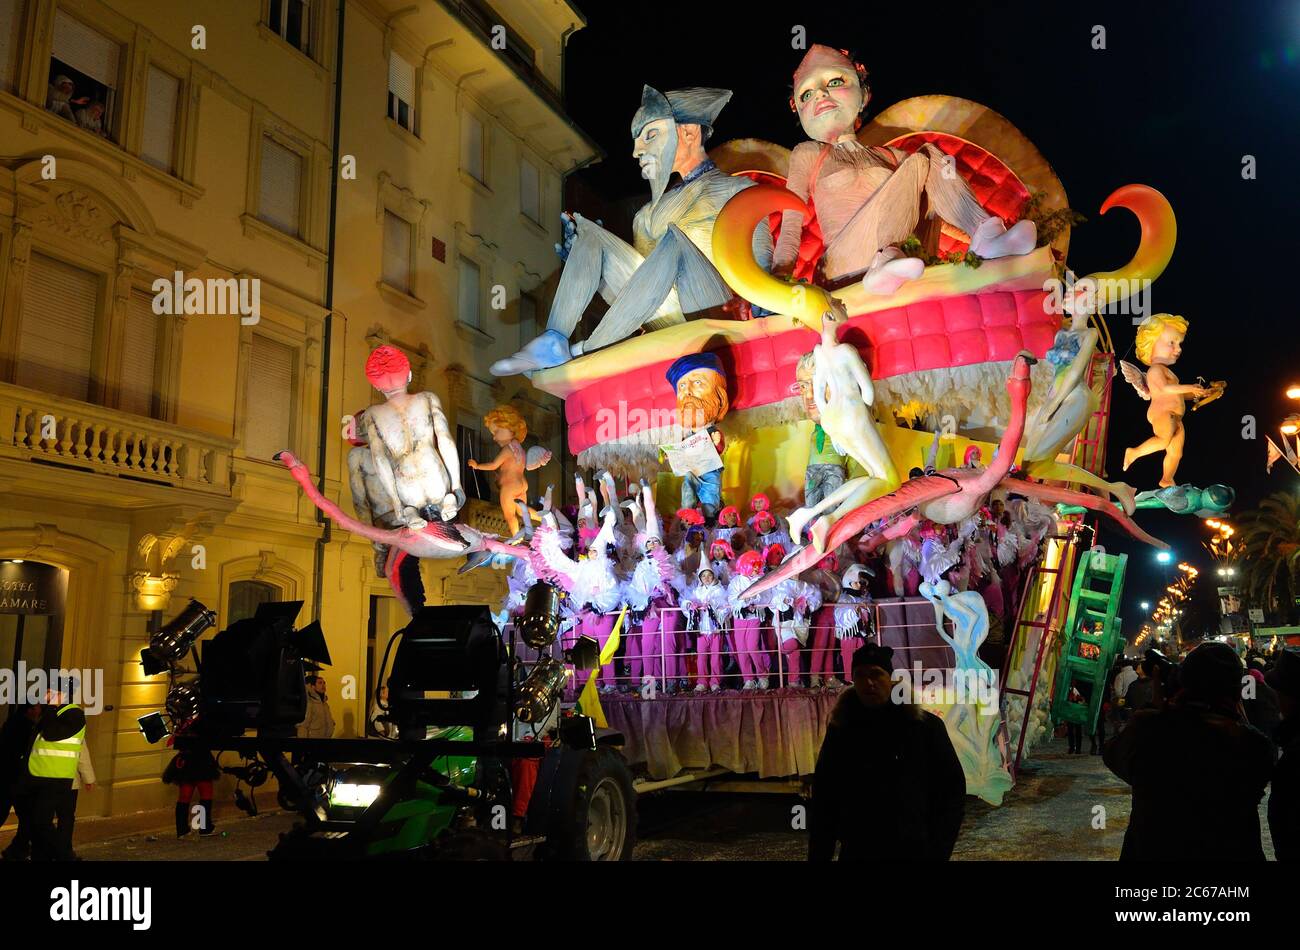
(667,271)
(701,385)
(867,199)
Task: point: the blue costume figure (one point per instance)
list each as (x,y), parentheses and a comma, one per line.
(701,386)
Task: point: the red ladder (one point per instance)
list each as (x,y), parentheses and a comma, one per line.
(1059,582)
(1089,450)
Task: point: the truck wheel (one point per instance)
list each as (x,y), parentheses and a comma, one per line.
(600,825)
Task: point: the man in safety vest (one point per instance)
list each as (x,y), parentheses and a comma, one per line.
(51,767)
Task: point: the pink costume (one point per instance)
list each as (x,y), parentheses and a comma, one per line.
(591,583)
(747,620)
(790,602)
(647,591)
(853,617)
(709,605)
(822,652)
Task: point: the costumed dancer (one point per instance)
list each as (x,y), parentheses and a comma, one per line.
(790,603)
(747,620)
(591,582)
(720,558)
(854,618)
(708,604)
(648,591)
(822,660)
(729,528)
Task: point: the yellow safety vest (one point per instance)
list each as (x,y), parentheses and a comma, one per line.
(56,759)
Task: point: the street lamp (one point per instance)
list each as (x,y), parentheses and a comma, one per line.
(1293,392)
(1145,605)
(1164,557)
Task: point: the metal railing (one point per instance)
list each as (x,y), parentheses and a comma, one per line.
(684,658)
(73,434)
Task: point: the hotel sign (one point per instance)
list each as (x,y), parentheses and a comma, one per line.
(31,588)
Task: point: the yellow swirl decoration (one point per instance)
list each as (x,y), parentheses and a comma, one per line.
(733,255)
(1155,248)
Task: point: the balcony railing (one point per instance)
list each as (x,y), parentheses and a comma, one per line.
(485,516)
(72,434)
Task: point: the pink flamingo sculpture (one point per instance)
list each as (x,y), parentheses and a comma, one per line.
(438,540)
(954,494)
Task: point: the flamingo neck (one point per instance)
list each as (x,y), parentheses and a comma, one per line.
(1011,436)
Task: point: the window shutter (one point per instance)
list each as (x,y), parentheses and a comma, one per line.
(397,252)
(401,78)
(469,293)
(529,193)
(472,160)
(281,186)
(56,333)
(527,319)
(139,356)
(8,41)
(269,399)
(161,98)
(86,50)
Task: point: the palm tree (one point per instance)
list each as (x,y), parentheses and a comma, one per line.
(1270,559)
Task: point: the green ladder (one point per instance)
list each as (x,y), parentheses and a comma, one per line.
(1093,638)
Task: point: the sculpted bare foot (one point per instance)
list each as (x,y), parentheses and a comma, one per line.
(1128,458)
(1126,495)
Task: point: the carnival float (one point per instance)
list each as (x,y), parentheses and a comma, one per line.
(844,393)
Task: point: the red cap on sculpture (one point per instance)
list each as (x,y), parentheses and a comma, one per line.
(387,368)
(818,56)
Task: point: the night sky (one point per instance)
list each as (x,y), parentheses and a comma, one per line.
(1179,95)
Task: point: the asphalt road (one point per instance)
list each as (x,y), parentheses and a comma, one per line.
(1063,808)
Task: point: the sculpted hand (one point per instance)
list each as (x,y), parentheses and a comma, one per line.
(471,463)
(570,229)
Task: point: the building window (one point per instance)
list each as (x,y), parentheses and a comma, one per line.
(401,92)
(473,152)
(56,329)
(281,195)
(469,444)
(84,76)
(471,294)
(9,41)
(397,252)
(139,379)
(158,146)
(530,197)
(246,596)
(268,399)
(527,319)
(291,21)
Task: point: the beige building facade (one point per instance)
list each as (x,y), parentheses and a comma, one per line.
(143,145)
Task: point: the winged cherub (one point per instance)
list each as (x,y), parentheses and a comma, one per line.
(1159,344)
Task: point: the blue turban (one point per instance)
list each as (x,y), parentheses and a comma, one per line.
(693,361)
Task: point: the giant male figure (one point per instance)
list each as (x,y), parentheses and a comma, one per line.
(667,272)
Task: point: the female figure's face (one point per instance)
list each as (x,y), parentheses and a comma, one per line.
(828,101)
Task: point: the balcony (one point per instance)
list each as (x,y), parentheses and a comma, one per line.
(485,516)
(68,434)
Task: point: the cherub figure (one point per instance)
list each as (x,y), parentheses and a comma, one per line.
(508,430)
(1159,344)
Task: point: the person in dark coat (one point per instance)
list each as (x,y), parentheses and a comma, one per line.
(15,740)
(1262,708)
(888,785)
(1148,690)
(1284,800)
(1197,768)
